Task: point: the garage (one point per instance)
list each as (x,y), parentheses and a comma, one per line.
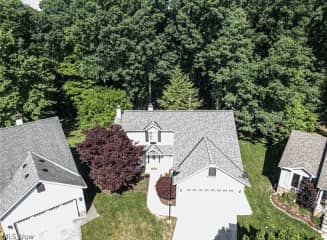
(212,210)
(37,226)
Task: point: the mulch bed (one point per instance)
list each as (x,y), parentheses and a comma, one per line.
(294,211)
(166,201)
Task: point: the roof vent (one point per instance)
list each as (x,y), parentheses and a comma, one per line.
(41,160)
(40,187)
(45,170)
(25,165)
(26,176)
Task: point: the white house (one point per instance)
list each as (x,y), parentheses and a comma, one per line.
(201,149)
(41,190)
(304,157)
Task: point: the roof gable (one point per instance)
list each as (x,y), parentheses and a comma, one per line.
(304,150)
(152,124)
(33,170)
(21,147)
(206,154)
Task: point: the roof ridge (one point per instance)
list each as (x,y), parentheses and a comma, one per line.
(209,154)
(192,150)
(54,163)
(209,110)
(29,123)
(225,155)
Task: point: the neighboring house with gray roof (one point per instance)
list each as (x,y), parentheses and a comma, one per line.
(305,157)
(200,147)
(40,186)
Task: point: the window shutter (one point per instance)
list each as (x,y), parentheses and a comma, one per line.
(159,136)
(146,136)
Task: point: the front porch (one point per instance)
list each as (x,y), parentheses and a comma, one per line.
(156,160)
(321,205)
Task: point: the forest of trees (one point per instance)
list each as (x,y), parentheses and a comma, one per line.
(264,59)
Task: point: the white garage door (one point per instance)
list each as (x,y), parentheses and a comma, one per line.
(39,224)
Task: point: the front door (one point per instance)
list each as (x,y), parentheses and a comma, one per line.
(152,161)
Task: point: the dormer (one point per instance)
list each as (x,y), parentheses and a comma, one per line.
(152,133)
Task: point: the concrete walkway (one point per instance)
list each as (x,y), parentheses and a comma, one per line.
(153,201)
(73,232)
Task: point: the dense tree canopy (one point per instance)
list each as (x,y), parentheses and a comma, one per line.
(266,60)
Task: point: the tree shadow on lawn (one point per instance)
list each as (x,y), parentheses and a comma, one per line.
(241,231)
(272,158)
(91,190)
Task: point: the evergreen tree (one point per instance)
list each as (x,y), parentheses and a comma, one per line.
(180,94)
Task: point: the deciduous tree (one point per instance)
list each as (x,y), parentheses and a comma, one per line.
(113,159)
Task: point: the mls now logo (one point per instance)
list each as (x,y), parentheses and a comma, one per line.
(15,237)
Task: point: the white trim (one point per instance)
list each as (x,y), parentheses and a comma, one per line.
(63,184)
(207,167)
(142,131)
(299,168)
(152,124)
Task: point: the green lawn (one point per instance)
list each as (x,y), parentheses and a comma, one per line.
(261,175)
(122,217)
(125,217)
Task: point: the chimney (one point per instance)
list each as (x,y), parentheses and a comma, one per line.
(118,113)
(19,119)
(150,107)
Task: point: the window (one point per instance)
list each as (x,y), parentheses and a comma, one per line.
(295,180)
(212,172)
(153,136)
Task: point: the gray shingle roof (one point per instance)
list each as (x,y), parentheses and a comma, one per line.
(189,128)
(163,149)
(26,144)
(204,154)
(304,150)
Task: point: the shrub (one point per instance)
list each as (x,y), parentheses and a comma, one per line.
(316,220)
(289,197)
(308,195)
(163,188)
(304,211)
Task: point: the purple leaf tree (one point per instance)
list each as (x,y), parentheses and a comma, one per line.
(113,159)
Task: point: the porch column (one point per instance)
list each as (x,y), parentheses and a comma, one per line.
(321,193)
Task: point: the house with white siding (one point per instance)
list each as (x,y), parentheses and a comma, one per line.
(41,190)
(200,149)
(305,157)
